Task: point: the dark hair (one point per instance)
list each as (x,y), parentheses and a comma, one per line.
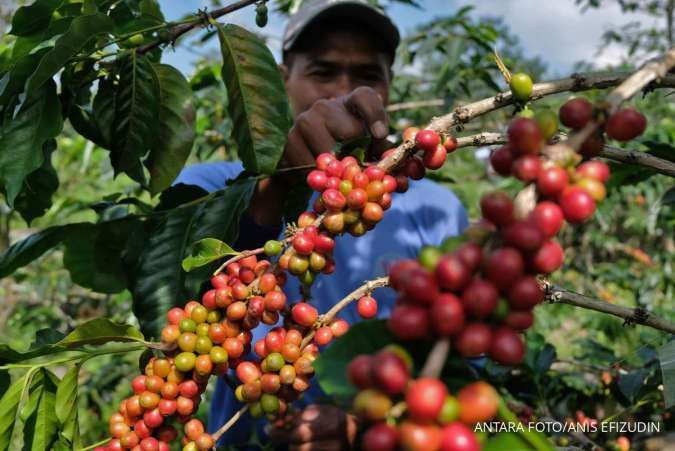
(312,35)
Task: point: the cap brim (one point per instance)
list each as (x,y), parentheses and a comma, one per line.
(380,23)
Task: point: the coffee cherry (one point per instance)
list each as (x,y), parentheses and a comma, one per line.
(593,145)
(447,315)
(548,258)
(334,222)
(410,133)
(339,327)
(185,361)
(594,169)
(372,213)
(524,235)
(479,298)
(303,244)
(304,314)
(525,293)
(435,158)
(380,437)
(427,140)
(527,168)
(399,273)
(593,187)
(576,204)
(525,136)
(474,340)
(389,372)
(323,336)
(184,406)
(548,216)
(409,322)
(507,347)
(419,437)
(576,113)
(521,86)
(547,121)
(119,429)
(451,273)
(129,440)
(429,257)
(372,405)
(359,371)
(367,307)
(479,402)
(205,441)
(401,183)
(424,398)
(414,168)
(502,160)
(497,208)
(625,124)
(552,181)
(458,437)
(519,320)
(317,180)
(504,266)
(421,287)
(450,410)
(450,143)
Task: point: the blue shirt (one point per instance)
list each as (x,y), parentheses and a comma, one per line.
(424,215)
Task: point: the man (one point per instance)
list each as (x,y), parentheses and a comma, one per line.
(337,69)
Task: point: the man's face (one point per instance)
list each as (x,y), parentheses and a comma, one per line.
(338,64)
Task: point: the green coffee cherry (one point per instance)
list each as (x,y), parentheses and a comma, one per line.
(521,86)
(261,15)
(272,248)
(429,256)
(548,123)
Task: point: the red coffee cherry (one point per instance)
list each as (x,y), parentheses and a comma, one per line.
(577,205)
(524,235)
(525,293)
(527,168)
(625,124)
(576,113)
(359,371)
(548,216)
(447,315)
(548,258)
(367,307)
(507,347)
(474,340)
(525,136)
(427,140)
(380,437)
(450,143)
(471,254)
(497,208)
(552,181)
(414,168)
(424,398)
(504,266)
(451,273)
(304,314)
(479,298)
(409,322)
(458,437)
(519,319)
(389,372)
(502,160)
(594,169)
(317,180)
(435,158)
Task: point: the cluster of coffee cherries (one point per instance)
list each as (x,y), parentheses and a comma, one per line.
(431,418)
(162,395)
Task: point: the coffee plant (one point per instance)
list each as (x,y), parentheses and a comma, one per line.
(452,355)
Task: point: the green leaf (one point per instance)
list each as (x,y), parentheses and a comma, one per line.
(205,251)
(21,140)
(104,111)
(82,29)
(94,255)
(152,9)
(9,407)
(41,430)
(15,80)
(36,196)
(25,251)
(176,128)
(158,281)
(630,384)
(257,104)
(100,331)
(136,123)
(33,18)
(331,366)
(667,363)
(66,395)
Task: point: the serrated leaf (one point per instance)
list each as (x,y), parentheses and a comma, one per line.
(136,123)
(21,140)
(158,281)
(66,395)
(100,331)
(82,29)
(667,364)
(205,251)
(258,104)
(33,18)
(176,128)
(38,188)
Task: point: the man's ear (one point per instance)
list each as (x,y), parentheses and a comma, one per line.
(285,73)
